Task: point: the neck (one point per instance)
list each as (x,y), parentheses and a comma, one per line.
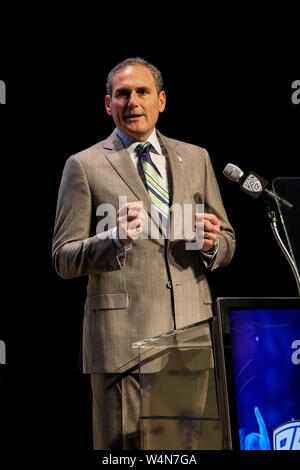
(129,138)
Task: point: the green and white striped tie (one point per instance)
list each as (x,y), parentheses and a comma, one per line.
(156,186)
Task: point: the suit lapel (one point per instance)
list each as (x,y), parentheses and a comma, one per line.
(175,162)
(120,159)
(176,169)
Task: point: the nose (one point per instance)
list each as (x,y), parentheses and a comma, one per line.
(132,100)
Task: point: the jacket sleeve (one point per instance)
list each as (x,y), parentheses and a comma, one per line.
(214,205)
(74,251)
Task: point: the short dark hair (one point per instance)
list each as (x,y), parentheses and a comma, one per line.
(135,61)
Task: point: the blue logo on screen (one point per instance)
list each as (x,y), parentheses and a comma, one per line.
(254,440)
(287,436)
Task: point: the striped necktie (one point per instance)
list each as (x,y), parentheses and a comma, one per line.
(156,186)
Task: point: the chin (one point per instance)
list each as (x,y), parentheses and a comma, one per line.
(136,133)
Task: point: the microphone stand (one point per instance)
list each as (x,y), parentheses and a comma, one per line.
(273,222)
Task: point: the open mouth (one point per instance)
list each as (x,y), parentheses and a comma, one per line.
(133,116)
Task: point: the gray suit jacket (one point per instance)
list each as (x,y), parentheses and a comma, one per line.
(158,285)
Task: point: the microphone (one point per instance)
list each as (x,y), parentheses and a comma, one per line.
(253,184)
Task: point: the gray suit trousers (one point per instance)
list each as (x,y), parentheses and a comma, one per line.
(116,410)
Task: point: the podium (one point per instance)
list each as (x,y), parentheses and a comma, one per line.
(183,400)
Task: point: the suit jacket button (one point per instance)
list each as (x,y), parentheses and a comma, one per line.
(169,285)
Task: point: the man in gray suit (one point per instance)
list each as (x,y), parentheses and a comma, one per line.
(143,278)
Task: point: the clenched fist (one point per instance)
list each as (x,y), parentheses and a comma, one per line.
(207,228)
(130,220)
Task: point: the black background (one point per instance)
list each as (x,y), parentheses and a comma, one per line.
(238,110)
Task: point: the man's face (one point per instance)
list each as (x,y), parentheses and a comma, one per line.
(135,104)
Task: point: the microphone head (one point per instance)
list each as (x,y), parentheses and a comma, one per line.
(233,172)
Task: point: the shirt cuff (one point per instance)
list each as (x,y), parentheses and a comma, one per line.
(212,253)
(120,248)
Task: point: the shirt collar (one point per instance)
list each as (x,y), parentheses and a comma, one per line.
(131,144)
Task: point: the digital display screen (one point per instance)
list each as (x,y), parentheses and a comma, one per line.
(266,367)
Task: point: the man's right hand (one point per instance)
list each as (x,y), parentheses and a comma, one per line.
(130,220)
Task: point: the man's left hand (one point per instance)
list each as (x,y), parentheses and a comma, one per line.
(207,228)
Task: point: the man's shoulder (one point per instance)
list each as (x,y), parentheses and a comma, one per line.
(95,151)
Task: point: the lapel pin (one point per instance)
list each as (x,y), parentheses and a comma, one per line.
(179,157)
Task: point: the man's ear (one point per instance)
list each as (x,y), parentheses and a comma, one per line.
(108,105)
(162,101)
